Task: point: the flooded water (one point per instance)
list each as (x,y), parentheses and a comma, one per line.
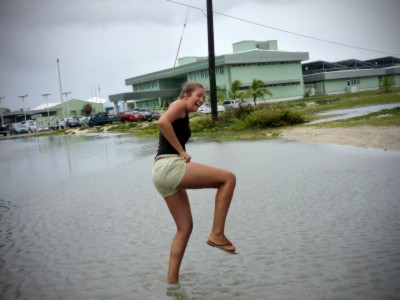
(341,114)
(80,219)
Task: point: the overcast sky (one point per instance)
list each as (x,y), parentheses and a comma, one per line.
(100,43)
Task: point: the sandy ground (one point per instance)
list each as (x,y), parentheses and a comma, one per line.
(387,138)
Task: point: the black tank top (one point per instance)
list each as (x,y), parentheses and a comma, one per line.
(182,131)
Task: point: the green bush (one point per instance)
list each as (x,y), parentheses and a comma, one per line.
(271,118)
(205,123)
(238,113)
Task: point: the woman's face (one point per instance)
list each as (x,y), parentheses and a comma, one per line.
(196,99)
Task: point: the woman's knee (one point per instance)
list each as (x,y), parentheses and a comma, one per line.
(231,178)
(186,229)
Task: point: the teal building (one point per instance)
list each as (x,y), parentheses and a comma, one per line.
(280,71)
(347,76)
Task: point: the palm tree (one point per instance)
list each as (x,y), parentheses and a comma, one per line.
(220,94)
(256,90)
(234,92)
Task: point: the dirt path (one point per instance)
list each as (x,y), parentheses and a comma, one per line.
(387,138)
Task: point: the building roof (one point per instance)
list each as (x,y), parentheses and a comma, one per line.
(252,56)
(44,106)
(321,66)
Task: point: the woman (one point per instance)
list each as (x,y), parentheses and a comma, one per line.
(173,173)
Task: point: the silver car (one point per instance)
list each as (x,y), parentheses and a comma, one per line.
(17,128)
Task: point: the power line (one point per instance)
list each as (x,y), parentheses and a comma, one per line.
(290,32)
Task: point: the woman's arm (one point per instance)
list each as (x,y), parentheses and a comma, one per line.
(176,110)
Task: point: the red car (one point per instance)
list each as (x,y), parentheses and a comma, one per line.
(131,117)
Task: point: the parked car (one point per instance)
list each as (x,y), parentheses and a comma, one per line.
(155,115)
(220,108)
(27,123)
(145,112)
(99,119)
(115,118)
(205,109)
(234,103)
(131,117)
(17,128)
(3,130)
(84,120)
(32,126)
(73,122)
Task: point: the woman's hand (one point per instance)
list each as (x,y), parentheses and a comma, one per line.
(186,156)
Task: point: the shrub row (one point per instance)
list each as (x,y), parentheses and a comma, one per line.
(268,118)
(248,118)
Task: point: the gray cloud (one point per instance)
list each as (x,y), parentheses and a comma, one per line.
(103,42)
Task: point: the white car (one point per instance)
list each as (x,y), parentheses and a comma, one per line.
(34,127)
(220,108)
(31,126)
(235,103)
(27,123)
(205,109)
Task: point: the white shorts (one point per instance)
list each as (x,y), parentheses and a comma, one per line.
(168,172)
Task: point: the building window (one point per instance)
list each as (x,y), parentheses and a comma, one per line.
(353,81)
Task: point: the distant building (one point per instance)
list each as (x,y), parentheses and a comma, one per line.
(322,77)
(279,70)
(69,108)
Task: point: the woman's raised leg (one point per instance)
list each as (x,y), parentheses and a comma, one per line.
(199,176)
(179,207)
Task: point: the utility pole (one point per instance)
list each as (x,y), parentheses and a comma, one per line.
(1,110)
(211,61)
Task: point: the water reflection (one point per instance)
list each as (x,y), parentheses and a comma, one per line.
(41,162)
(341,114)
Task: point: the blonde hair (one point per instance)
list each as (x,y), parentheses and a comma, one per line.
(189,87)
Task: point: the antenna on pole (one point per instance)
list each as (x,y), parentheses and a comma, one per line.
(180,42)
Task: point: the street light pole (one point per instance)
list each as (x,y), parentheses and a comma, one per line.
(23,104)
(59,80)
(1,110)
